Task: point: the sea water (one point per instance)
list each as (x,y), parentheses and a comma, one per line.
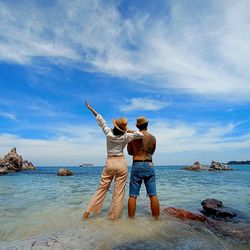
(40,210)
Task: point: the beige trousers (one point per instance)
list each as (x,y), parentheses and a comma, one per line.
(115,167)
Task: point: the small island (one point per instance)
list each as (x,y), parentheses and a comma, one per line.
(86,165)
(13,162)
(238,162)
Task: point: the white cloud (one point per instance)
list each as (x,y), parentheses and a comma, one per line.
(177,143)
(64,149)
(201,50)
(8,116)
(143,103)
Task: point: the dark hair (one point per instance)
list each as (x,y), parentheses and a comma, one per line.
(142,126)
(116,131)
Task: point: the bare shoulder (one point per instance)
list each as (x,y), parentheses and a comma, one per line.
(149,135)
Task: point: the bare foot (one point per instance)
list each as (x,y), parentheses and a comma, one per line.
(85,216)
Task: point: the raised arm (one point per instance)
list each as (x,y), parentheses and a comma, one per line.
(91,109)
(101,122)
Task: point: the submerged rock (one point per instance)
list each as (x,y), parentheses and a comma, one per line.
(216,209)
(64,172)
(138,245)
(237,231)
(196,167)
(218,166)
(13,162)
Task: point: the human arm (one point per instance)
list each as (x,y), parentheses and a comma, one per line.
(153,149)
(101,122)
(134,135)
(130,148)
(91,109)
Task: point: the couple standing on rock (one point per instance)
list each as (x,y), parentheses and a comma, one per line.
(141,145)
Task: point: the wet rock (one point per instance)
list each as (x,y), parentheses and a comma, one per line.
(3,171)
(13,162)
(218,166)
(216,209)
(138,245)
(64,172)
(196,167)
(238,231)
(184,214)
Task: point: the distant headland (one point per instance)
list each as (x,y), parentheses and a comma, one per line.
(238,163)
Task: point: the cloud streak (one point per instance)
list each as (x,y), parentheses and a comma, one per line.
(143,103)
(196,49)
(8,116)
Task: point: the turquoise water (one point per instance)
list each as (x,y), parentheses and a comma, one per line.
(36,203)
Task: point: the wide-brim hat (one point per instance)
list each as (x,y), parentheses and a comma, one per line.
(141,120)
(121,124)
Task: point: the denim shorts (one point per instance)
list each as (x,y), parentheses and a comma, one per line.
(142,171)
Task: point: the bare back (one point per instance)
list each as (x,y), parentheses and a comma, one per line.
(142,149)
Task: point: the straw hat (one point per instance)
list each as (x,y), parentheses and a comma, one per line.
(141,120)
(121,124)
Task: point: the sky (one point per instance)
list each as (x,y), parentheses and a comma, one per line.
(184,64)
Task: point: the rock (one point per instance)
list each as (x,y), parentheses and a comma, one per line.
(184,214)
(218,166)
(64,172)
(196,167)
(13,162)
(216,209)
(27,165)
(3,171)
(140,244)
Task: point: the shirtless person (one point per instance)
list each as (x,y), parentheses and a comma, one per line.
(142,169)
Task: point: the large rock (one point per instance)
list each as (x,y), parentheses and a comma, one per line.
(64,172)
(218,166)
(13,162)
(216,209)
(196,167)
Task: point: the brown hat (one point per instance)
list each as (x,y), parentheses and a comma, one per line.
(141,120)
(121,124)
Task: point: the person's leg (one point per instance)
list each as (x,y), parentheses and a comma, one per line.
(119,188)
(150,183)
(131,206)
(118,196)
(96,201)
(155,206)
(134,189)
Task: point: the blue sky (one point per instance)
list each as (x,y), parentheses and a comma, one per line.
(183,64)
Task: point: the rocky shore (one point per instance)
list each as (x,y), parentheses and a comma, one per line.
(217,218)
(13,162)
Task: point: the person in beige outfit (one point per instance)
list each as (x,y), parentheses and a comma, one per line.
(115,166)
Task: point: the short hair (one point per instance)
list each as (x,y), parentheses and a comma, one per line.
(142,126)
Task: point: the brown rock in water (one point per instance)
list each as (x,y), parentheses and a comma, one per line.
(64,172)
(215,208)
(184,214)
(218,166)
(195,167)
(13,162)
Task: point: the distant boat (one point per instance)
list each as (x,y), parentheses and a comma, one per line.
(86,165)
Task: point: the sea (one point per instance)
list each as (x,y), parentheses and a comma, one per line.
(40,210)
